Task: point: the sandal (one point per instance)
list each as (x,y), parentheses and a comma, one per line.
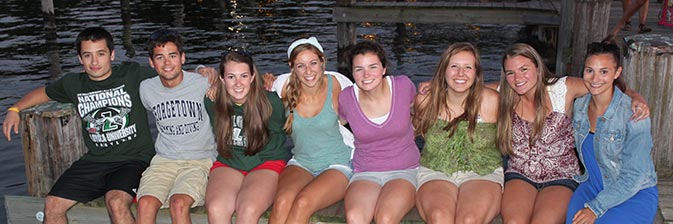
(643,29)
(627,26)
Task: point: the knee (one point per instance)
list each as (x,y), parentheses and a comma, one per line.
(249,210)
(283,201)
(303,203)
(439,215)
(515,220)
(386,217)
(52,205)
(470,219)
(117,202)
(180,203)
(219,207)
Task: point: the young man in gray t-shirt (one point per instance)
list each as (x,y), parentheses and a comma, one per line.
(185,145)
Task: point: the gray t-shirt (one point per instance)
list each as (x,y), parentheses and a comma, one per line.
(183,124)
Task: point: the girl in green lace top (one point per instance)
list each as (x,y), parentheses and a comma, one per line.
(461,175)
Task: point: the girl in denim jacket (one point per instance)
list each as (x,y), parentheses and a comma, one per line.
(619,182)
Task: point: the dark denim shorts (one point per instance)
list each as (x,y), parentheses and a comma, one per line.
(569,183)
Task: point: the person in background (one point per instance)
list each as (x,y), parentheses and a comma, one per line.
(185,146)
(318,173)
(249,135)
(461,177)
(386,158)
(114,127)
(619,184)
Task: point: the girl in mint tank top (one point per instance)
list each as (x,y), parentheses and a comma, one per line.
(317,174)
(460,160)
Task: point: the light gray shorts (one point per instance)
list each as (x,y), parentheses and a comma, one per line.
(383,177)
(346,170)
(426,175)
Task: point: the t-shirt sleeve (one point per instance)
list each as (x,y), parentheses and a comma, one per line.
(408,86)
(342,102)
(144,90)
(210,109)
(58,91)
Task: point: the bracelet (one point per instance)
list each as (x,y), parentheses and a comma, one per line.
(15,109)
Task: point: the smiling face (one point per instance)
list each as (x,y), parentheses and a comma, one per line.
(521,73)
(600,72)
(237,79)
(167,62)
(461,72)
(308,67)
(368,71)
(97,59)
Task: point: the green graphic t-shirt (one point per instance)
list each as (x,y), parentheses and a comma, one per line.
(114,121)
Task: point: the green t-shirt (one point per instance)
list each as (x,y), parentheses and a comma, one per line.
(114,121)
(458,153)
(273,150)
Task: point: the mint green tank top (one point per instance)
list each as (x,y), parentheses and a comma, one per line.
(458,153)
(317,140)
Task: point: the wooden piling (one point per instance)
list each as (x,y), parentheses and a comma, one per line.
(648,69)
(590,25)
(345,38)
(51,134)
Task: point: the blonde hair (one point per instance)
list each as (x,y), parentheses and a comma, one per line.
(428,110)
(256,111)
(509,98)
(292,91)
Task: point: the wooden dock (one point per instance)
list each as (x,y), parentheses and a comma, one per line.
(529,13)
(22,210)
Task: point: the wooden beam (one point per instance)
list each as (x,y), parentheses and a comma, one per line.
(563,50)
(445,15)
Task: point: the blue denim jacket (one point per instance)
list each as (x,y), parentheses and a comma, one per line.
(622,148)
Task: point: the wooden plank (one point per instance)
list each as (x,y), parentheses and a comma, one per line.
(463,15)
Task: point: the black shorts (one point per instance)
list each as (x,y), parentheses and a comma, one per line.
(569,183)
(87,180)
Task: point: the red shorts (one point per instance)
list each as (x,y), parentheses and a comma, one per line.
(273,165)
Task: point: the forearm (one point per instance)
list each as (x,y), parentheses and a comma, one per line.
(33,98)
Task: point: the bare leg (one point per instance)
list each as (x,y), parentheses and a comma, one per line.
(148,207)
(256,195)
(179,205)
(396,199)
(360,201)
(436,201)
(551,205)
(223,186)
(118,205)
(55,209)
(518,202)
(478,201)
(325,190)
(290,182)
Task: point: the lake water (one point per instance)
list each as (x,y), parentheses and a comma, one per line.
(30,55)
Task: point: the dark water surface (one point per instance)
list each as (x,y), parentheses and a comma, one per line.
(30,53)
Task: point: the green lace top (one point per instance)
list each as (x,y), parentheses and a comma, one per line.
(458,153)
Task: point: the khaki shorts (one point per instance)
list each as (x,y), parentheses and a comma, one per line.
(166,177)
(426,175)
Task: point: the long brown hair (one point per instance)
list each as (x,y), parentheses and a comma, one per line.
(428,110)
(292,91)
(509,98)
(256,111)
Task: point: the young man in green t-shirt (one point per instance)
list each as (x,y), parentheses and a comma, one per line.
(114,126)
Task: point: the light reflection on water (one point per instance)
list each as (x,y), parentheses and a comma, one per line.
(264,28)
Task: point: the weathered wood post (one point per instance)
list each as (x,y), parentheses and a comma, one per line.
(648,69)
(51,38)
(51,134)
(345,38)
(590,24)
(563,49)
